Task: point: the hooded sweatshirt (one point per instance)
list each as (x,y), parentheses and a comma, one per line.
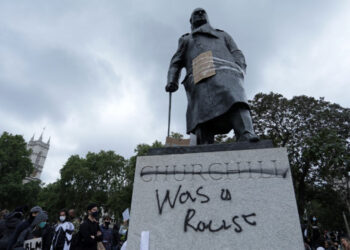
(27,234)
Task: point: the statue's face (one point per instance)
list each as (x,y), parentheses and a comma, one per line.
(198,17)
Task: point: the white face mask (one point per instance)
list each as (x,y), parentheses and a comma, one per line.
(62,218)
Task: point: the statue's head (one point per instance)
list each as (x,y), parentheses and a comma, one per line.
(199,17)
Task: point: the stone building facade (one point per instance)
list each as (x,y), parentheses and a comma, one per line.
(38,156)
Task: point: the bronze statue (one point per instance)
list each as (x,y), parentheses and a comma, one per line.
(215,70)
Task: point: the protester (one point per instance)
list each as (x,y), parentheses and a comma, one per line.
(74,220)
(328,245)
(316,235)
(63,232)
(3,213)
(307,246)
(23,225)
(8,226)
(45,231)
(116,237)
(123,231)
(31,231)
(76,223)
(107,233)
(345,243)
(90,233)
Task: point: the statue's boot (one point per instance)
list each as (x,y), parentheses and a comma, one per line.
(242,125)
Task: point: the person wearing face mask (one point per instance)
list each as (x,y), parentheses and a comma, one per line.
(107,232)
(90,233)
(45,231)
(34,211)
(64,229)
(33,231)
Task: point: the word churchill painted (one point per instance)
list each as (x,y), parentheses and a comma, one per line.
(213,171)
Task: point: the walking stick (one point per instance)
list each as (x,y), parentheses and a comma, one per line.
(169,114)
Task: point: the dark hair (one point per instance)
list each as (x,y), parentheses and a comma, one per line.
(91,206)
(107,217)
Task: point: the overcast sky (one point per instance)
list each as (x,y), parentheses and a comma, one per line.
(93,72)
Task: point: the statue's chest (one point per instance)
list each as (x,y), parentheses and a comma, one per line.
(198,44)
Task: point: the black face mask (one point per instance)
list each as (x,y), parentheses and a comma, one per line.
(107,223)
(94,214)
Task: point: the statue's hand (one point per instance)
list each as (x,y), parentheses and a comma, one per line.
(171,87)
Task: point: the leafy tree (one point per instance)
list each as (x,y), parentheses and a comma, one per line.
(15,165)
(91,179)
(105,178)
(51,199)
(224,139)
(122,200)
(315,132)
(176,135)
(327,205)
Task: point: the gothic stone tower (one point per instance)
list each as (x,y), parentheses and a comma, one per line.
(38,156)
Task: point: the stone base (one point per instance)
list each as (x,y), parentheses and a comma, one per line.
(238,199)
(211,148)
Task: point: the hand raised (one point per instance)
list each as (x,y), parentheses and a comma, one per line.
(171,87)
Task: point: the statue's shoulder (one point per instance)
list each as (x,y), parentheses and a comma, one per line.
(184,38)
(223,33)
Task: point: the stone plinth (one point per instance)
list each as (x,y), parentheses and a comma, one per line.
(238,199)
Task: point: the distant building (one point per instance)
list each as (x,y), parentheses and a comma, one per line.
(38,156)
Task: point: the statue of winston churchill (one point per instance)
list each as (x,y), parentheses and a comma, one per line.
(215,70)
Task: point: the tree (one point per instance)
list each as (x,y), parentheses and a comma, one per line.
(105,178)
(315,132)
(176,135)
(122,200)
(51,199)
(91,179)
(15,165)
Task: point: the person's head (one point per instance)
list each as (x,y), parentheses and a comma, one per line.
(39,222)
(63,216)
(106,220)
(34,211)
(92,211)
(345,242)
(327,244)
(71,213)
(3,213)
(198,17)
(40,219)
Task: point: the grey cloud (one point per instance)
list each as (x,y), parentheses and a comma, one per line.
(62,57)
(53,81)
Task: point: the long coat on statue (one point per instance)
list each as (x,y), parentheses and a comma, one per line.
(214,93)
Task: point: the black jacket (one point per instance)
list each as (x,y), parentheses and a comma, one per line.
(88,229)
(9,224)
(19,229)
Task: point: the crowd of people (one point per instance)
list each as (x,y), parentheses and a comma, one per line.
(316,239)
(70,231)
(67,232)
